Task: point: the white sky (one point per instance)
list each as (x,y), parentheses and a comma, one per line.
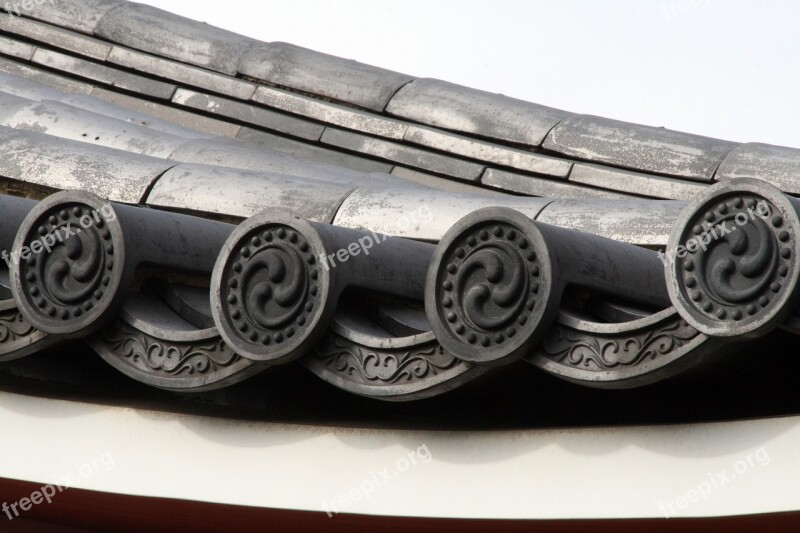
(727,69)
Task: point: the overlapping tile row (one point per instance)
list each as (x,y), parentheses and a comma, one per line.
(302,101)
(243,205)
(187,303)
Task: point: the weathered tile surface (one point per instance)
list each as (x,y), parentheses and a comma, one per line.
(181,73)
(402,154)
(103,74)
(454,107)
(159,32)
(488,152)
(778,165)
(249,113)
(637,147)
(337,115)
(62,164)
(634,183)
(533,186)
(321,74)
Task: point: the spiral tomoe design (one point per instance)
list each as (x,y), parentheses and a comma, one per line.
(271,292)
(734,262)
(68,268)
(490,289)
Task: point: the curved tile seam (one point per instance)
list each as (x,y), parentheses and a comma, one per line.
(714,177)
(389,100)
(149,189)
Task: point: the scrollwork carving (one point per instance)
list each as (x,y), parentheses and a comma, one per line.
(14,327)
(374,365)
(580,349)
(157,356)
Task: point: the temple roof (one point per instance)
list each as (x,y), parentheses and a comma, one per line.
(500,230)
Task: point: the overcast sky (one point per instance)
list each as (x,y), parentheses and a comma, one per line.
(727,69)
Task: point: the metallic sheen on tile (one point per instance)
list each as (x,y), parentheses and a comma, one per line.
(642,222)
(68,122)
(421,215)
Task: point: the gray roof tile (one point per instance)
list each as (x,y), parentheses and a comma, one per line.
(243,155)
(62,164)
(532,186)
(328,76)
(14,48)
(40,76)
(10,105)
(80,15)
(488,152)
(312,152)
(642,222)
(103,74)
(67,122)
(442,184)
(402,154)
(778,165)
(330,113)
(249,113)
(420,215)
(185,74)
(454,107)
(27,89)
(165,113)
(56,37)
(129,116)
(159,32)
(244,193)
(637,147)
(634,183)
